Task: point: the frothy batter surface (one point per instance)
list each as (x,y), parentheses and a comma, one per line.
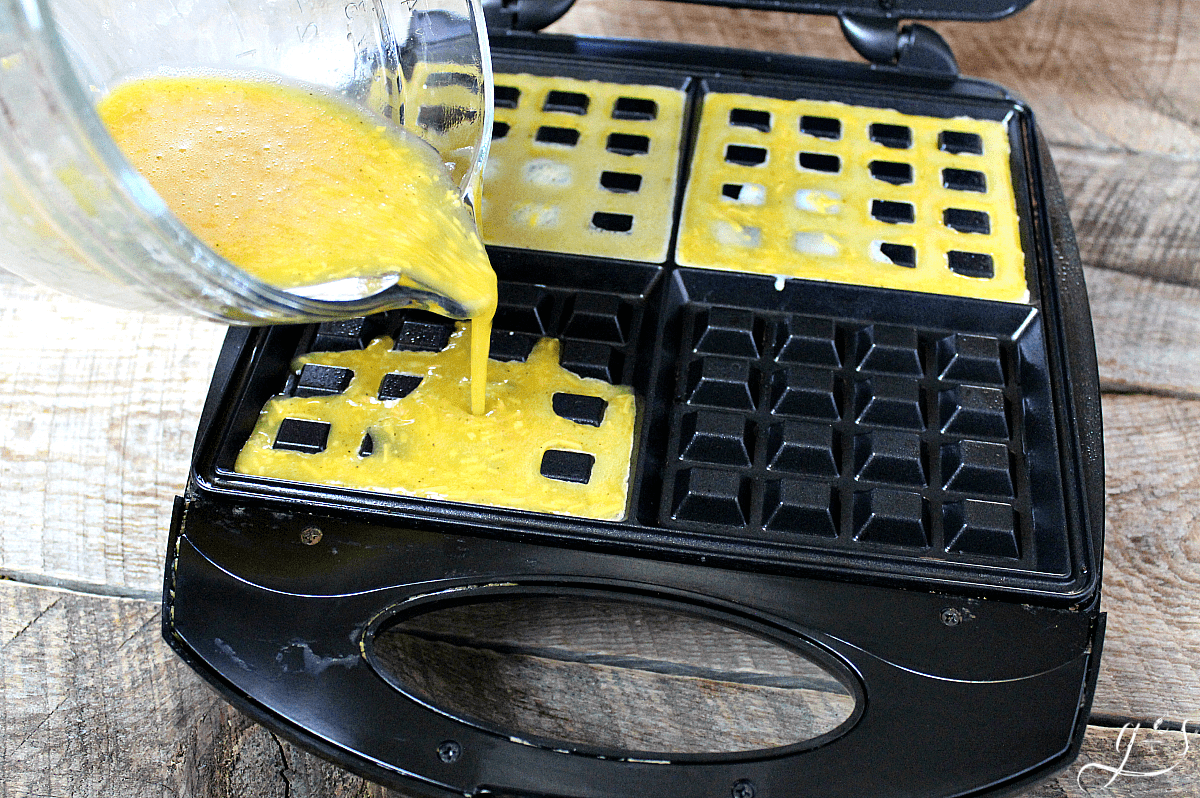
(850,194)
(523,453)
(584,167)
(299,190)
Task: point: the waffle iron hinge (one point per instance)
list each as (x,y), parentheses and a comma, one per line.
(884,42)
(524,15)
(880,40)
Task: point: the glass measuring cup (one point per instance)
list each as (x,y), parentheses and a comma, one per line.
(74,215)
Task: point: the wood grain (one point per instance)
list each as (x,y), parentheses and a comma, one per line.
(1134,212)
(625,707)
(1147,333)
(1098,75)
(611,632)
(94,705)
(1151,664)
(512,663)
(99,407)
(99,410)
(1150,751)
(101,434)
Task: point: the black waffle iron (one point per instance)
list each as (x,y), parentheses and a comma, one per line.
(903,484)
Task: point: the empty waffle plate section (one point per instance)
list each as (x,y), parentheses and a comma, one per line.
(854,194)
(916,433)
(585,167)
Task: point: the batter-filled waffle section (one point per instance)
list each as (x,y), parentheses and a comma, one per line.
(880,434)
(381,404)
(583,167)
(869,196)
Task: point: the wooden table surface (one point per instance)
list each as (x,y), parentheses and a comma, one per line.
(98,410)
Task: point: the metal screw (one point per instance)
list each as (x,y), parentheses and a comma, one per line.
(449,751)
(743,788)
(311,536)
(951,616)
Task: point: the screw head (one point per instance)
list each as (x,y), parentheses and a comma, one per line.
(311,536)
(743,788)
(951,617)
(449,751)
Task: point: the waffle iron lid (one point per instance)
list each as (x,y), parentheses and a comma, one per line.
(963,10)
(873,27)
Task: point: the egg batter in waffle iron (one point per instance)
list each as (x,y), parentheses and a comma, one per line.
(813,359)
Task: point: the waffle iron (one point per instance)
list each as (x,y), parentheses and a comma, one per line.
(850,304)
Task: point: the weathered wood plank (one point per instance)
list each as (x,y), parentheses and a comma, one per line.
(606,632)
(709,687)
(1150,667)
(1103,771)
(1151,664)
(99,406)
(99,410)
(1147,333)
(1097,75)
(94,705)
(615,707)
(91,703)
(1134,212)
(102,433)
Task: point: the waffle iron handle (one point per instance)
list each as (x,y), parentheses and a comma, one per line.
(295,660)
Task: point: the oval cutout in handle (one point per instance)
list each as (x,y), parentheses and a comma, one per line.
(604,675)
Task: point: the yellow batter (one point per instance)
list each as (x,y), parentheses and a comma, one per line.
(300,190)
(545,193)
(794,188)
(426,445)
